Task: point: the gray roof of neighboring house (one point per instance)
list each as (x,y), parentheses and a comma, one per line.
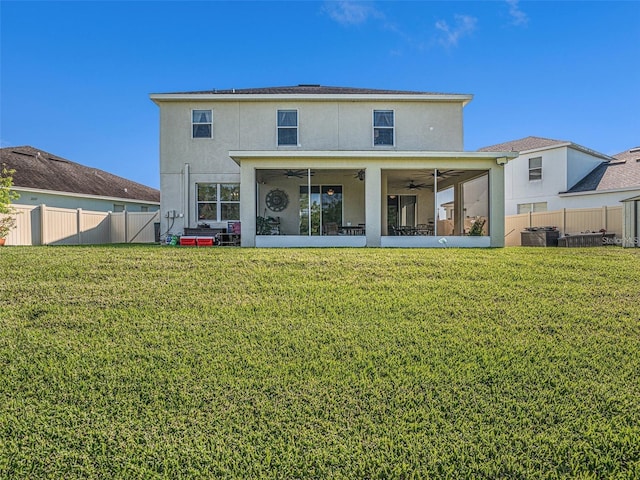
(309,89)
(524,144)
(539,143)
(622,172)
(44,171)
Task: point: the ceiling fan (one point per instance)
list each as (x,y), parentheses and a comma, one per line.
(296,173)
(416,186)
(448,173)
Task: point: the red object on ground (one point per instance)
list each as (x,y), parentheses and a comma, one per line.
(205,242)
(188,241)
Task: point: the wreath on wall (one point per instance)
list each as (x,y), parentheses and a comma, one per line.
(277,200)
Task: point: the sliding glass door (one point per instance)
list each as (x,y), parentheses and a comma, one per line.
(322,210)
(401,210)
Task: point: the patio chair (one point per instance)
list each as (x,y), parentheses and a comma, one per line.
(330,228)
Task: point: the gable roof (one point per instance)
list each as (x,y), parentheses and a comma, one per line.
(531,144)
(524,144)
(620,173)
(44,171)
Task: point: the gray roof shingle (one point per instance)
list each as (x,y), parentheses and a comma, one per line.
(309,90)
(45,171)
(523,144)
(536,143)
(622,172)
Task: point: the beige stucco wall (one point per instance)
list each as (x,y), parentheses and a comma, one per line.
(252,125)
(331,125)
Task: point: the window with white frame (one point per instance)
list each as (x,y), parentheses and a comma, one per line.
(383,123)
(218,202)
(532,207)
(201,123)
(287,127)
(535,168)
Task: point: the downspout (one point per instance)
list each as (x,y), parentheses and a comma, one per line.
(185,200)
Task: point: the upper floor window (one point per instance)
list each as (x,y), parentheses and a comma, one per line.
(535,168)
(201,123)
(218,201)
(383,123)
(287,127)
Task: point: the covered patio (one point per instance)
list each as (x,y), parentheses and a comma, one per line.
(373,199)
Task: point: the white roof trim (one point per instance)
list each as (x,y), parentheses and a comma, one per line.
(262,97)
(597,192)
(19,189)
(360,154)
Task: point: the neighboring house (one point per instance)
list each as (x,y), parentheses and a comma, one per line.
(310,165)
(631,222)
(554,174)
(42,178)
(609,183)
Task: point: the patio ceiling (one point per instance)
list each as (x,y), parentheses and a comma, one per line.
(401,179)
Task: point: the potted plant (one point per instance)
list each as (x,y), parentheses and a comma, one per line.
(7,212)
(476,227)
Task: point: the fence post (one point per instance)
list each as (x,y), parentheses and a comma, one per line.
(43,223)
(564,221)
(530,218)
(79,226)
(604,217)
(126,226)
(110,217)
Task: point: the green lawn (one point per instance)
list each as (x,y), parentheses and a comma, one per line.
(161,362)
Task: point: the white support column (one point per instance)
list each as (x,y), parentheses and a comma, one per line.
(435,202)
(373,205)
(458,211)
(384,212)
(496,205)
(248,204)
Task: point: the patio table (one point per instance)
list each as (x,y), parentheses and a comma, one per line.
(352,229)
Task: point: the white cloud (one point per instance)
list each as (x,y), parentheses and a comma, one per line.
(464,25)
(350,13)
(517,15)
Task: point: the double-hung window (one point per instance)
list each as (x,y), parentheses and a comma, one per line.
(287,127)
(201,123)
(535,168)
(383,126)
(218,201)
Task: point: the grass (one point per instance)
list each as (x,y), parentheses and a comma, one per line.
(160,362)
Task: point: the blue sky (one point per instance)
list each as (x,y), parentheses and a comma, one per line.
(76,76)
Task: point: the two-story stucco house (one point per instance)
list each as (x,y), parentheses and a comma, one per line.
(553,174)
(326,166)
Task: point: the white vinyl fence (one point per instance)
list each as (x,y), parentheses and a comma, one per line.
(42,225)
(571,221)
